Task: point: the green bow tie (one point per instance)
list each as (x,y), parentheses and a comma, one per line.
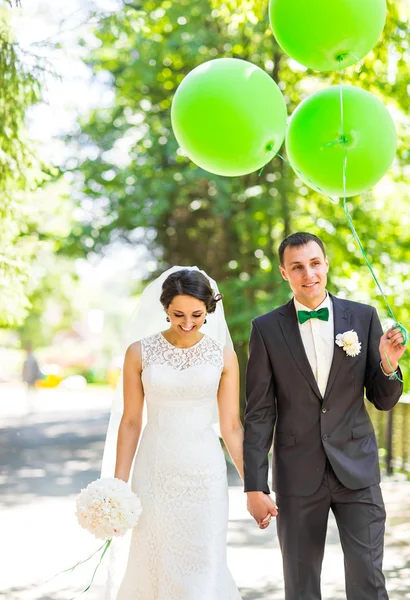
(305,315)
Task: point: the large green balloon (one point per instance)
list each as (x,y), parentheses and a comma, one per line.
(315,150)
(229,117)
(317,33)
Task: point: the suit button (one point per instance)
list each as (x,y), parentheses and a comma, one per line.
(324,410)
(325,437)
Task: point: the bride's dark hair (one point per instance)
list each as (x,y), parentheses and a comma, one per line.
(187,282)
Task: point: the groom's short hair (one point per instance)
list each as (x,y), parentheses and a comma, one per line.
(300,238)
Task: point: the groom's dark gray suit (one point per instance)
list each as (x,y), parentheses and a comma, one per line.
(324,448)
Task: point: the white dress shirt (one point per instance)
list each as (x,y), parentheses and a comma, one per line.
(319,341)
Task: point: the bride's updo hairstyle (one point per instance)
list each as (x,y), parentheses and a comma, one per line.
(187,282)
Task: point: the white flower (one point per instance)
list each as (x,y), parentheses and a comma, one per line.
(349,341)
(108,508)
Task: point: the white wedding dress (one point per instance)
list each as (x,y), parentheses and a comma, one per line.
(178,548)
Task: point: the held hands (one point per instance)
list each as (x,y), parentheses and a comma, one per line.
(391,349)
(262,508)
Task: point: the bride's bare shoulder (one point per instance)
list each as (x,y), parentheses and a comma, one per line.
(133,352)
(230,358)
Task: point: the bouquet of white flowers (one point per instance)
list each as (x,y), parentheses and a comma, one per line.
(107,508)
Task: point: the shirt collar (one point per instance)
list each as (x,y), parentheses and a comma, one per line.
(327,303)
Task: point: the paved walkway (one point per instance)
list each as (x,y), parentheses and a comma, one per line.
(48,451)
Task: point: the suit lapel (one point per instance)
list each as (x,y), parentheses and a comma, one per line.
(289,324)
(341,320)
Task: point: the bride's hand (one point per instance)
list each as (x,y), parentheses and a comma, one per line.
(262,508)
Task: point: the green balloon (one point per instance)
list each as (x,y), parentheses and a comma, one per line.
(317,33)
(314,140)
(229,117)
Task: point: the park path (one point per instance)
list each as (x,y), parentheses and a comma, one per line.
(51,449)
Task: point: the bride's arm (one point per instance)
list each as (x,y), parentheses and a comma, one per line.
(228,404)
(131,422)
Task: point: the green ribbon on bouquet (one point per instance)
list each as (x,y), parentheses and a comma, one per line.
(104,549)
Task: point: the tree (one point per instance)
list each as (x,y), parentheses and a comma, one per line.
(138,186)
(20,174)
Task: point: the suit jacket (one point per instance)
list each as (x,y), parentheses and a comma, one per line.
(284,404)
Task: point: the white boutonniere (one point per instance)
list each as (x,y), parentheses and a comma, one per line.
(349,342)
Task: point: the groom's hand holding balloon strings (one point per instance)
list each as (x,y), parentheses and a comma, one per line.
(391,348)
(262,508)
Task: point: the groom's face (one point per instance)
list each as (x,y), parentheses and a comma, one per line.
(305,268)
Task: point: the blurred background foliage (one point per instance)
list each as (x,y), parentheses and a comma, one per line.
(135,185)
(125,183)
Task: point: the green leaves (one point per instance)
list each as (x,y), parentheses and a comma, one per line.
(20,174)
(140,186)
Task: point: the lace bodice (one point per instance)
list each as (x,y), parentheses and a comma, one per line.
(183,378)
(156,350)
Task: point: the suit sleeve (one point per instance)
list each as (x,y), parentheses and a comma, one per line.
(260,414)
(383,392)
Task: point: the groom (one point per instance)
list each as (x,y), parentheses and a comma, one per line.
(305,392)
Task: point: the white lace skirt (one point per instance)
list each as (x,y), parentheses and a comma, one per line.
(178,548)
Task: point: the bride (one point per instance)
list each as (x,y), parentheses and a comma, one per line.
(178,548)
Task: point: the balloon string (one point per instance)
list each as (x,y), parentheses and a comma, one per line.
(343,141)
(356,237)
(345,207)
(353,229)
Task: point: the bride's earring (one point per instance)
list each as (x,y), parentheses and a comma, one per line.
(205,321)
(168,319)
